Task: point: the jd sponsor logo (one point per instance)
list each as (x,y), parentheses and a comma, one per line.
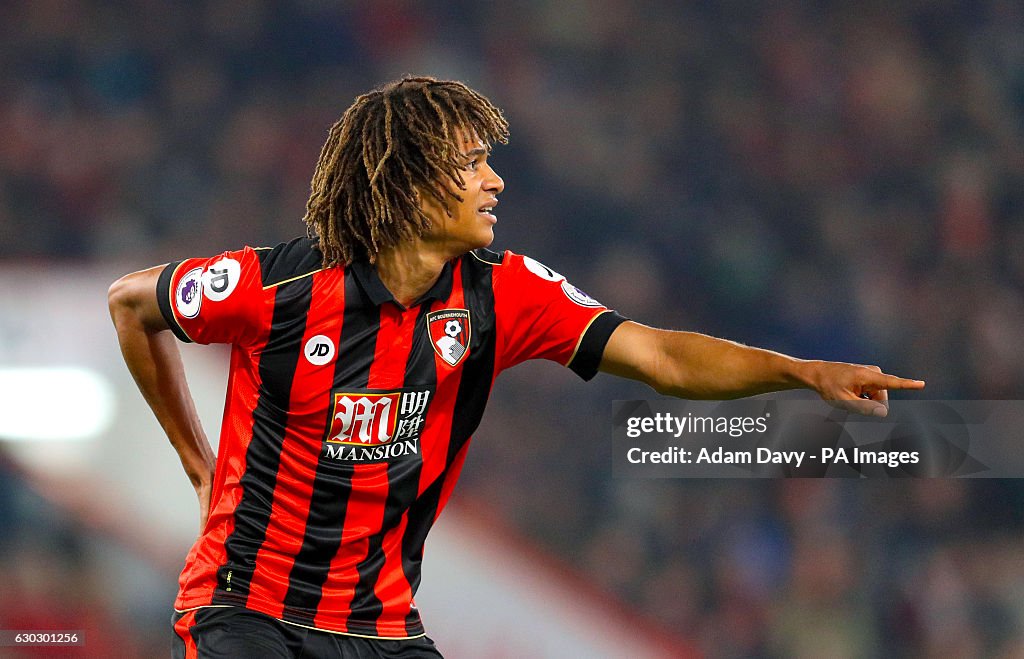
(319,350)
(220,279)
(541,270)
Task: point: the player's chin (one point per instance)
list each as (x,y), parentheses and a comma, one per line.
(485,238)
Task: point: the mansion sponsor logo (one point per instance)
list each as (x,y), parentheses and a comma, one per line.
(373,425)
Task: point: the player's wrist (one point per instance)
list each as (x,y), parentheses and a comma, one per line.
(803,373)
(201,475)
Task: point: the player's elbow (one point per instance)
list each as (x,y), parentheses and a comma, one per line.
(122,297)
(132,300)
(667,376)
(678,378)
(678,387)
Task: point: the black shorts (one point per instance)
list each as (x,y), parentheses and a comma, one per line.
(232,632)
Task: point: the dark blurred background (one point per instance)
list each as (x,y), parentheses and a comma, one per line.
(832,180)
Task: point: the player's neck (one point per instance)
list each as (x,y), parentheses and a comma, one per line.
(409,270)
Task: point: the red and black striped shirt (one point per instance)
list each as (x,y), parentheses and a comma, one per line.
(348,416)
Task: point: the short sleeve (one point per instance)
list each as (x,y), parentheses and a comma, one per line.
(540,315)
(213,300)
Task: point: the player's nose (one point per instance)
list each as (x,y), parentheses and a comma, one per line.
(494,183)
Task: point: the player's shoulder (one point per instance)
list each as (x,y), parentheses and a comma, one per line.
(513,264)
(505,259)
(511,270)
(497,266)
(289,261)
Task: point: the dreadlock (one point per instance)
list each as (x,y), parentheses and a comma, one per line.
(392,144)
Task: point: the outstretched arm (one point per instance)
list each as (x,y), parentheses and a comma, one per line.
(151,353)
(691,365)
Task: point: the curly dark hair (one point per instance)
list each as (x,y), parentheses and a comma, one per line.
(390,146)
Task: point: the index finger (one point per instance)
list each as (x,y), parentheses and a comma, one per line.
(892,382)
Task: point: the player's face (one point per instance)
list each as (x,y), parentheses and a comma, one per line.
(472,220)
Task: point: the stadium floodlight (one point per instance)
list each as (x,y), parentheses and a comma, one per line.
(54,404)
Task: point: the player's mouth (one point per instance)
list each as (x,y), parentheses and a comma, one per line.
(487,211)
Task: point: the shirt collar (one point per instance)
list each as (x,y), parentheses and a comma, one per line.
(371,284)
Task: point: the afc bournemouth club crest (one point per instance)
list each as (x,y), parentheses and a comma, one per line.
(449,334)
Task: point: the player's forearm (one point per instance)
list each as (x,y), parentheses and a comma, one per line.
(155,362)
(702,367)
(152,356)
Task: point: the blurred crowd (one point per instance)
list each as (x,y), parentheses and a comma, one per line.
(62,574)
(833,180)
